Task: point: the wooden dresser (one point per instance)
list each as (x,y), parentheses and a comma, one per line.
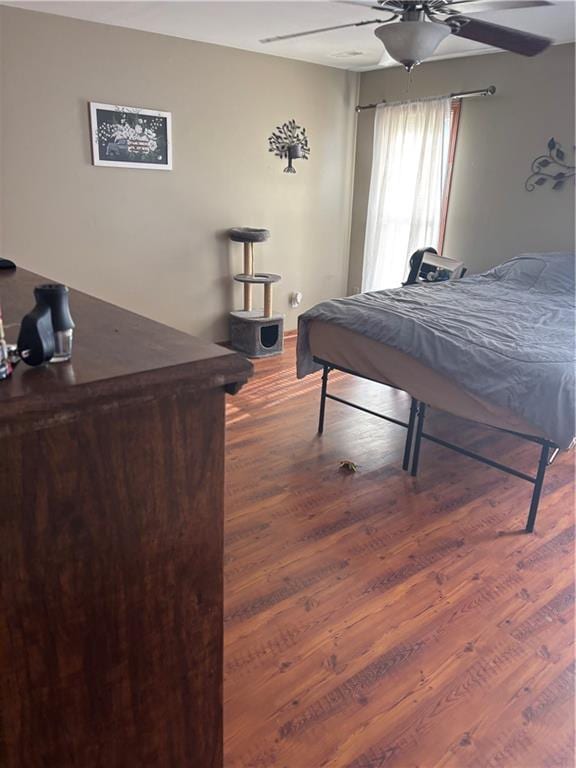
(111,519)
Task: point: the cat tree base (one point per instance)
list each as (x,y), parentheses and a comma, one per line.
(256,335)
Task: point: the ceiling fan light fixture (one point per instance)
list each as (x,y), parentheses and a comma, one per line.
(410,42)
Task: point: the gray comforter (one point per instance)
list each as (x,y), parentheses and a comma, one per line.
(506,336)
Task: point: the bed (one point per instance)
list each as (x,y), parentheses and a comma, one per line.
(496,348)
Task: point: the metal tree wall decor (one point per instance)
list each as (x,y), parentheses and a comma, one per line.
(551,168)
(289,141)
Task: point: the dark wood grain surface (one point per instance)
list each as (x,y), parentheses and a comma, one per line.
(111,529)
(111,578)
(115,352)
(373,620)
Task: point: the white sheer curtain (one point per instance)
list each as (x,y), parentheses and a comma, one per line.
(409,173)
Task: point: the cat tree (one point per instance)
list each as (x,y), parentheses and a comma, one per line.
(255,332)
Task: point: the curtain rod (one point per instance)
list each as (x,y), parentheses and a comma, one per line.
(490,91)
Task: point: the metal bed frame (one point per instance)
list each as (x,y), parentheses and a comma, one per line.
(415,434)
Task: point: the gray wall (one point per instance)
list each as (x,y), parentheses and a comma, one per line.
(491,216)
(154,241)
(149,240)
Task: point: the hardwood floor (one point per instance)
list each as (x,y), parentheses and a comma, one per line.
(373,620)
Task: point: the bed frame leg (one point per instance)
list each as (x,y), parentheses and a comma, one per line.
(419,429)
(410,434)
(325,373)
(539,482)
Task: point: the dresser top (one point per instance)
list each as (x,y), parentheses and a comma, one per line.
(116,354)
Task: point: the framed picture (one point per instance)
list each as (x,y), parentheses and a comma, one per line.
(131,137)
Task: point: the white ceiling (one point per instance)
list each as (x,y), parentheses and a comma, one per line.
(242,24)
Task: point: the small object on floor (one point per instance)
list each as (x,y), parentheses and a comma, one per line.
(7,264)
(348,466)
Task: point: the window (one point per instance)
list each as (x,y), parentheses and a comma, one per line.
(414,145)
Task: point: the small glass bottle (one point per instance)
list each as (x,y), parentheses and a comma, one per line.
(5,364)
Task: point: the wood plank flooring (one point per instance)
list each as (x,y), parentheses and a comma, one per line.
(373,620)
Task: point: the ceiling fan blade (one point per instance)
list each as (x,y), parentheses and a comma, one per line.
(506,38)
(394,6)
(322,29)
(482,6)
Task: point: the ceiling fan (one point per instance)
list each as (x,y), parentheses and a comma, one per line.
(423,24)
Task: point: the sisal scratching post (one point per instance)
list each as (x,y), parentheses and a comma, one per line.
(248,270)
(255,332)
(267,299)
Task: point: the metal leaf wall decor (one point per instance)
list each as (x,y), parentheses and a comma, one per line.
(550,168)
(291,142)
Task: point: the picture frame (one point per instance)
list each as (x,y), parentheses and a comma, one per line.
(130,137)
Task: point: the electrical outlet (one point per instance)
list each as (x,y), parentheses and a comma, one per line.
(295,299)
